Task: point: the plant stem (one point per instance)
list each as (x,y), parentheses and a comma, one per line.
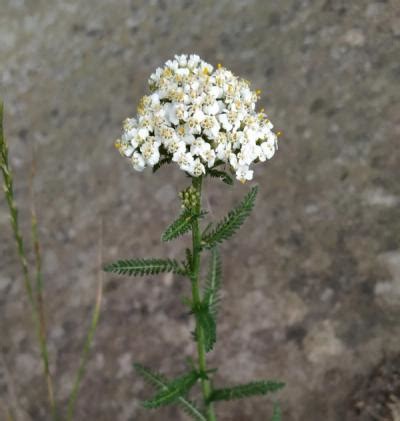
(13,211)
(196,237)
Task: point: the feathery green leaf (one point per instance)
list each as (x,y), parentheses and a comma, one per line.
(207,323)
(246,390)
(173,390)
(213,284)
(161,383)
(222,175)
(191,409)
(153,378)
(162,162)
(179,227)
(232,222)
(207,228)
(140,267)
(188,263)
(189,258)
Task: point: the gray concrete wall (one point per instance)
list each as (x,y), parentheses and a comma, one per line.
(312,283)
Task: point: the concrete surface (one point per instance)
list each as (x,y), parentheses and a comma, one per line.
(312,283)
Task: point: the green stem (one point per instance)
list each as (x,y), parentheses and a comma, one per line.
(196,237)
(13,211)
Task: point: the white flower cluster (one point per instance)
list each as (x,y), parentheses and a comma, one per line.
(199,118)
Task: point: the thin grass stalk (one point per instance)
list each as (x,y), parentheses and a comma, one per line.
(39,291)
(89,337)
(13,210)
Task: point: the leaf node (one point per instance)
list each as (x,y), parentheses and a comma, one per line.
(161,383)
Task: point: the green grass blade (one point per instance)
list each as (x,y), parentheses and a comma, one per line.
(39,291)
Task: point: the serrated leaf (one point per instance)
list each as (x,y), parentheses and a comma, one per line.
(207,228)
(153,378)
(140,267)
(162,162)
(189,258)
(161,383)
(232,222)
(191,409)
(277,415)
(172,390)
(246,390)
(222,175)
(179,227)
(207,323)
(213,283)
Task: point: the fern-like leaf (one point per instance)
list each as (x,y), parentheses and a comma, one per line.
(188,263)
(206,312)
(162,162)
(179,227)
(161,383)
(222,175)
(155,379)
(207,323)
(173,390)
(191,409)
(232,222)
(246,390)
(277,415)
(140,267)
(213,285)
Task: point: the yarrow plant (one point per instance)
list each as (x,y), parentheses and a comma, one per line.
(204,120)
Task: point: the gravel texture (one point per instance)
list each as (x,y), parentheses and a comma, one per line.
(312,283)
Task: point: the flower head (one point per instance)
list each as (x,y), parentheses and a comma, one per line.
(198,117)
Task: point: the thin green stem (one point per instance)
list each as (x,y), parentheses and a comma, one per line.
(39,295)
(201,350)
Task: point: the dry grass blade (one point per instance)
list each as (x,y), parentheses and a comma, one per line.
(13,211)
(39,288)
(90,334)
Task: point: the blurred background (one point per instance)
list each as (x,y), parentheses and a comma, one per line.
(311,289)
